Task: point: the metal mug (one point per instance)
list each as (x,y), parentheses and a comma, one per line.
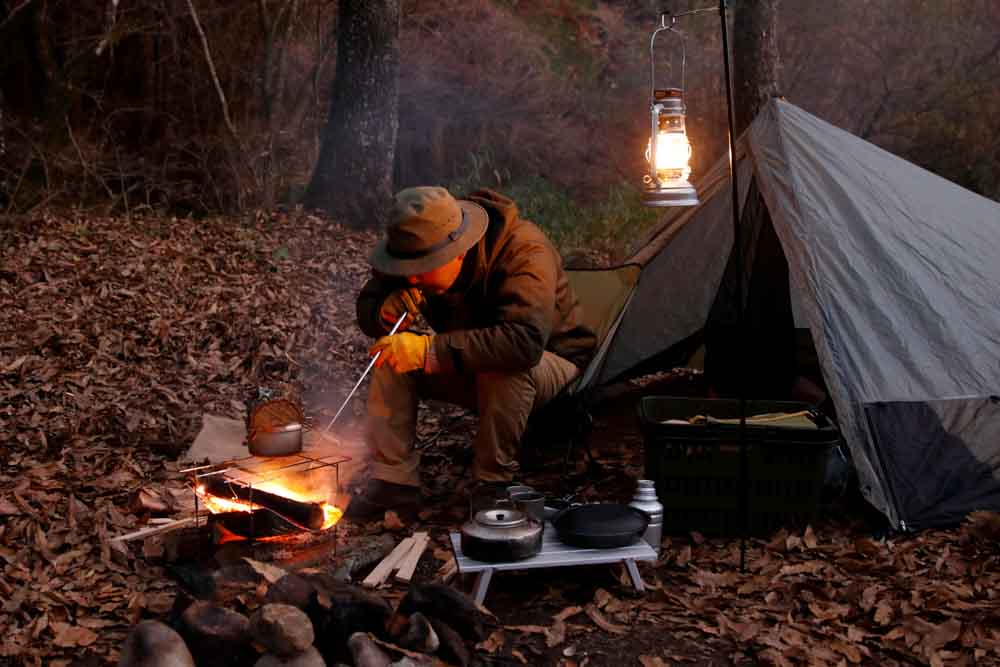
(519,488)
(531,503)
(488,498)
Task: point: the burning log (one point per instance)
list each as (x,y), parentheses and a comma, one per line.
(306,514)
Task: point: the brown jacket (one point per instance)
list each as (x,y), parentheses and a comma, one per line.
(510,302)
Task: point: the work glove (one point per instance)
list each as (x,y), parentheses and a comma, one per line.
(407,299)
(402,352)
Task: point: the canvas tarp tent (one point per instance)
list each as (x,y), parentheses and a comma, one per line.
(896,273)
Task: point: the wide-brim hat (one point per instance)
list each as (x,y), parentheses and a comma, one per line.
(429,228)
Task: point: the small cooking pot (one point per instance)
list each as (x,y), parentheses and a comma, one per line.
(501,535)
(276,441)
(600,525)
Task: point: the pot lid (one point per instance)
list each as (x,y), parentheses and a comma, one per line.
(501,518)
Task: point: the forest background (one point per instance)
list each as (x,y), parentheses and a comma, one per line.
(111,104)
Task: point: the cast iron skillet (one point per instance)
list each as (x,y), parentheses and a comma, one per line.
(600,526)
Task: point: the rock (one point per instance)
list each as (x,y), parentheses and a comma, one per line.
(366,653)
(153,644)
(216,635)
(452,647)
(419,635)
(308,658)
(282,629)
(290,589)
(451,606)
(339,610)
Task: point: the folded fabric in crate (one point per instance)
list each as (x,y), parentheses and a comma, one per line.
(801,419)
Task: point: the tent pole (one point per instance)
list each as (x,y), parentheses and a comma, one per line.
(738,247)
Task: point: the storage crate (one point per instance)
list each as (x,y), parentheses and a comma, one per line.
(696,467)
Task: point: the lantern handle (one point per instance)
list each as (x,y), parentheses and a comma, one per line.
(652,53)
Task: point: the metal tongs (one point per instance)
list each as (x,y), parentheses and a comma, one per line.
(361,379)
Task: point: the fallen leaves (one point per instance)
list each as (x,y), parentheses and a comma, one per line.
(108,357)
(493,643)
(603,623)
(72,636)
(111,355)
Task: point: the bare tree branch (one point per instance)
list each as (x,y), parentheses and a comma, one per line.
(215,76)
(14,12)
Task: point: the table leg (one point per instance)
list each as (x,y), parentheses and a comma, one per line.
(633,573)
(482,583)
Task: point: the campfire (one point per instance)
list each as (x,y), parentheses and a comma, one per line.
(269,499)
(218,505)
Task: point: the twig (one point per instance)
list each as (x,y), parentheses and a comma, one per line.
(215,77)
(155,530)
(87,168)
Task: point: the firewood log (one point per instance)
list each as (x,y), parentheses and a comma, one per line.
(309,515)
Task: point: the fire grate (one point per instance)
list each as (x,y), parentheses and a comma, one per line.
(285,495)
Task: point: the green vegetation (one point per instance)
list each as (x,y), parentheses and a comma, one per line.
(608,228)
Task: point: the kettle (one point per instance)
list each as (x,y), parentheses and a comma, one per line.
(501,535)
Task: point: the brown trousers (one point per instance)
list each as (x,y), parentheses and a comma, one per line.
(503,401)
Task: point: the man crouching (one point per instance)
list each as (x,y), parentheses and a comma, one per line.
(508,334)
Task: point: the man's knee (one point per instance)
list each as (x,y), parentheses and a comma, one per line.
(504,390)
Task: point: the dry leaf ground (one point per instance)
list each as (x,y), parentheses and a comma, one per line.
(116,335)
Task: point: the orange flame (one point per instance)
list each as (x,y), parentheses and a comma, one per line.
(217,504)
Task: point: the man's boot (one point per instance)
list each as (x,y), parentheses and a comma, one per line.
(380,496)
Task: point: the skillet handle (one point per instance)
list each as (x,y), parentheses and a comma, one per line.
(559,513)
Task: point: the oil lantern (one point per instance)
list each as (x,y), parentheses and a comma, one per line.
(668,151)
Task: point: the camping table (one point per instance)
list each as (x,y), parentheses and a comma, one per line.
(554,554)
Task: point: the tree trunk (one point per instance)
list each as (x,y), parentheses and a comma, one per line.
(755,52)
(353,178)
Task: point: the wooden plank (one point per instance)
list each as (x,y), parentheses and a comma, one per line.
(155,530)
(388,564)
(409,564)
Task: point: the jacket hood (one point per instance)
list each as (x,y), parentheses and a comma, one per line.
(496,205)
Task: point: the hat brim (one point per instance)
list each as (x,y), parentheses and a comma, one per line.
(383,262)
